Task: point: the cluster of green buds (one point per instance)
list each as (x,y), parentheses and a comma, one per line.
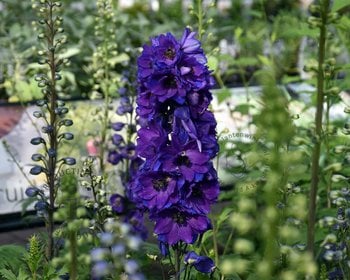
(52,112)
(72,216)
(320,14)
(105,59)
(97,205)
(200,14)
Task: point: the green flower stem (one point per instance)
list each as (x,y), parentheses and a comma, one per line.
(177,252)
(53,134)
(73,248)
(200,19)
(330,172)
(215,243)
(318,130)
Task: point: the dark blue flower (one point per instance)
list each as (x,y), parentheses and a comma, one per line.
(166,50)
(175,224)
(176,183)
(117,126)
(157,190)
(118,203)
(201,263)
(114,157)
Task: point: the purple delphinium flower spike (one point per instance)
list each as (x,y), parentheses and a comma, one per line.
(176,183)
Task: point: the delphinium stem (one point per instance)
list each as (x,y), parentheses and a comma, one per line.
(53,114)
(200,19)
(53,134)
(318,129)
(104,31)
(177,252)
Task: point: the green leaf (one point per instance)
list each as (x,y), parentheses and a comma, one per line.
(223,94)
(11,256)
(340,4)
(7,274)
(264,60)
(70,52)
(243,108)
(223,217)
(22,275)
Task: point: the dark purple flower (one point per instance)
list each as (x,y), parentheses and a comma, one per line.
(136,219)
(201,263)
(150,139)
(167,85)
(117,126)
(200,195)
(117,139)
(163,248)
(189,43)
(158,189)
(124,108)
(176,183)
(174,225)
(166,50)
(114,157)
(118,203)
(128,151)
(188,162)
(145,62)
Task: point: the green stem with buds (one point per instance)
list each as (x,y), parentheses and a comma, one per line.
(53,134)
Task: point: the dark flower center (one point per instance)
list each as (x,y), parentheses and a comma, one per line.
(196,192)
(169,53)
(170,82)
(160,184)
(180,218)
(182,159)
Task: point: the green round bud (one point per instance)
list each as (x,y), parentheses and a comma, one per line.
(243,246)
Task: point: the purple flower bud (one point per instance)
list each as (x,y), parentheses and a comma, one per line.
(36,170)
(52,152)
(164,248)
(101,269)
(131,267)
(201,263)
(117,139)
(32,191)
(117,126)
(114,157)
(69,160)
(118,203)
(37,141)
(41,205)
(118,249)
(37,157)
(98,254)
(137,276)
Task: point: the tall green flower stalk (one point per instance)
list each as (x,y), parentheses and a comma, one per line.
(52,112)
(321,23)
(275,121)
(105,78)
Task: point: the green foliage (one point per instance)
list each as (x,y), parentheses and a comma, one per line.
(11,256)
